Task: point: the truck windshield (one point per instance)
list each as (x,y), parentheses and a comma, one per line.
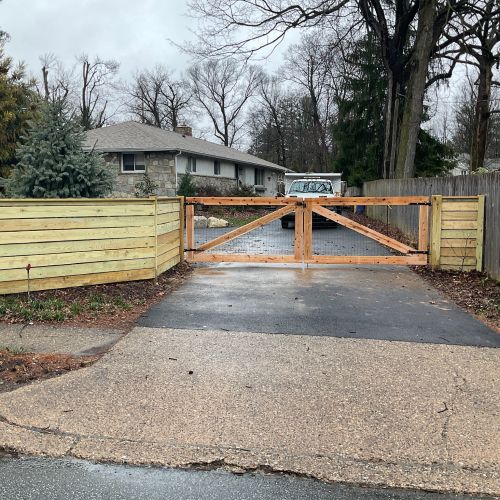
(310,187)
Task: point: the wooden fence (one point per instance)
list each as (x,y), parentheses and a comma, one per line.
(77,242)
(457,232)
(464,185)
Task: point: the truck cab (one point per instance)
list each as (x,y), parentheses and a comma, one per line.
(327,185)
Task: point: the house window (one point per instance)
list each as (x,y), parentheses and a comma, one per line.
(216,167)
(133,162)
(191,165)
(236,171)
(259,177)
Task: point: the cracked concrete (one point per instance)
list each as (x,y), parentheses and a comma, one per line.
(359,411)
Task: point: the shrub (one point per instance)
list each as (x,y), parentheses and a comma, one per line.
(187,187)
(146,187)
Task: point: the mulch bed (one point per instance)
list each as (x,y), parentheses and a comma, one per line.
(17,369)
(116,305)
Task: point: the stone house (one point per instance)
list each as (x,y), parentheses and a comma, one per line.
(132,149)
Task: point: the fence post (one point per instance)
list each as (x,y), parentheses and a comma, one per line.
(437,205)
(155,203)
(480,233)
(308,231)
(180,199)
(423,228)
(190,230)
(299,232)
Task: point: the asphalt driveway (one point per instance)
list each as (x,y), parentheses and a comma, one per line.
(370,302)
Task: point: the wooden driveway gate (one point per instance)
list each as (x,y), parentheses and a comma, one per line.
(400,253)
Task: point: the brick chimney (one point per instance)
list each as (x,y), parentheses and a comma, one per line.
(185,130)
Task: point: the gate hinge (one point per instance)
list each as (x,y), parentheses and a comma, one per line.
(192,203)
(427,203)
(191,250)
(421,252)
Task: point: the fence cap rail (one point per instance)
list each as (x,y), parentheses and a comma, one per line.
(88,200)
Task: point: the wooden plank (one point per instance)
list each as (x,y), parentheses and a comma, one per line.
(168,247)
(48,211)
(190,241)
(480,233)
(182,225)
(231,235)
(165,238)
(168,217)
(458,261)
(437,203)
(365,231)
(75,269)
(75,223)
(72,281)
(8,237)
(402,260)
(213,257)
(168,256)
(459,224)
(78,201)
(447,267)
(168,227)
(458,251)
(20,262)
(459,233)
(459,216)
(243,200)
(456,206)
(169,264)
(458,243)
(19,249)
(299,233)
(308,232)
(156,236)
(423,228)
(368,200)
(165,208)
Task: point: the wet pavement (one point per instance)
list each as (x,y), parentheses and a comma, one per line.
(366,302)
(37,478)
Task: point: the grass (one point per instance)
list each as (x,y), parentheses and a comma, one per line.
(12,349)
(56,310)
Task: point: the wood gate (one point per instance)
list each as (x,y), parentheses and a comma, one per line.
(303,210)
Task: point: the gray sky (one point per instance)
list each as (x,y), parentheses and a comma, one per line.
(135,33)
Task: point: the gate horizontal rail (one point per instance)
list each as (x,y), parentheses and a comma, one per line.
(303,236)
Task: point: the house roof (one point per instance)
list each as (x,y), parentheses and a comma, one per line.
(132,136)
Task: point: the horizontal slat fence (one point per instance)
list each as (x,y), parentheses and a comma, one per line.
(463,185)
(457,232)
(77,242)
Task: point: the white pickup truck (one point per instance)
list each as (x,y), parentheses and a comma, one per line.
(312,186)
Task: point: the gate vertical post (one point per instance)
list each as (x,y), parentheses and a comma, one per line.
(437,203)
(308,230)
(190,230)
(181,227)
(423,228)
(299,232)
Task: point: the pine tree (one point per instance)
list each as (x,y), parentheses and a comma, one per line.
(187,187)
(52,163)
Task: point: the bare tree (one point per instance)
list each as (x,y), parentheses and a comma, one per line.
(222,88)
(58,82)
(158,99)
(97,77)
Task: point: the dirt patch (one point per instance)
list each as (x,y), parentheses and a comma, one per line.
(116,305)
(473,291)
(18,368)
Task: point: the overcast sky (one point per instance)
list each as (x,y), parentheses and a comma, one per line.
(135,33)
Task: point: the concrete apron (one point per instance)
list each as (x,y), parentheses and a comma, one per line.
(370,412)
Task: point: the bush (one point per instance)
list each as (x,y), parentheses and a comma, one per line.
(146,187)
(187,187)
(209,191)
(52,163)
(242,190)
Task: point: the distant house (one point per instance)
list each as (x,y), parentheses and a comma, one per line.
(131,149)
(463,165)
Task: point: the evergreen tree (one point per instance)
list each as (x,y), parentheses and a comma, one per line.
(18,105)
(187,187)
(52,163)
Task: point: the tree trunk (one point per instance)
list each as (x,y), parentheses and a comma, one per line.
(482,116)
(414,97)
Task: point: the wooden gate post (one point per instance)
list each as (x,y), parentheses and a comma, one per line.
(299,232)
(423,228)
(437,205)
(308,227)
(190,230)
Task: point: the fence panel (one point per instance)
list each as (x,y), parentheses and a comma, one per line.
(77,242)
(465,185)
